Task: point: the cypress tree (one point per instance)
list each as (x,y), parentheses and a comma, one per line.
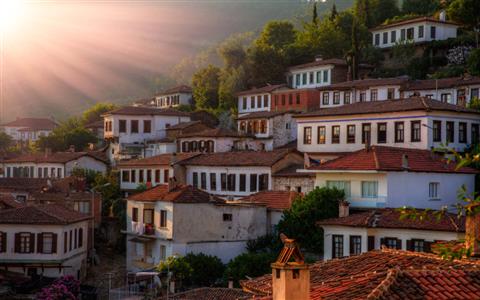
(315,15)
(333,13)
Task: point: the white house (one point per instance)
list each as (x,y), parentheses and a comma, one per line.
(53,165)
(29,129)
(382,176)
(150,171)
(257,99)
(417,122)
(274,129)
(357,233)
(128,128)
(237,174)
(177,219)
(47,240)
(175,96)
(416,30)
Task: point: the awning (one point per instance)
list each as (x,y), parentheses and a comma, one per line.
(141,240)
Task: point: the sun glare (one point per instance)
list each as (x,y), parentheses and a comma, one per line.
(11,12)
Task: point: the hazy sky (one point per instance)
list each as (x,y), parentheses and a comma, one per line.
(61,56)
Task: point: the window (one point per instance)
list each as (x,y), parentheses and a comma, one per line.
(82,206)
(325,76)
(335,134)
(147,126)
(163,252)
(149,175)
(263,182)
(366,133)
(134,214)
(297,80)
(350,134)
(402,34)
(163,218)
(231,182)
(325,100)
(195,179)
(337,246)
(252,102)
(132,176)
(437,131)
(3,242)
(307,135)
(243,182)
(65,242)
(265,100)
(475,132)
(390,93)
(392,243)
(213,181)
(46,243)
(148,216)
(346,98)
(140,176)
(165,175)
(227,217)
(363,97)
(415,131)
(433,190)
(122,126)
(80,238)
(377,39)
(336,98)
(369,189)
(450,132)
(462,132)
(393,36)
(203,180)
(322,132)
(134,126)
(420,31)
(297,96)
(253,182)
(311,79)
(446,98)
(340,185)
(319,77)
(125,176)
(374,95)
(24,242)
(59,172)
(410,33)
(416,245)
(433,32)
(290,99)
(283,100)
(381,133)
(259,101)
(474,93)
(223,181)
(75,239)
(157,176)
(385,38)
(399,132)
(304,78)
(244,103)
(355,244)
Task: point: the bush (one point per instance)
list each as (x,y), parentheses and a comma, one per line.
(207,269)
(180,268)
(473,62)
(64,288)
(474,103)
(269,243)
(249,264)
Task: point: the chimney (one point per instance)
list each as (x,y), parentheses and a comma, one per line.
(290,274)
(472,229)
(442,17)
(343,209)
(306,160)
(48,152)
(405,161)
(318,57)
(230,283)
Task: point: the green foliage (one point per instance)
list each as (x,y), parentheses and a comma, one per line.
(178,266)
(207,269)
(474,103)
(6,141)
(473,62)
(88,174)
(141,187)
(465,12)
(205,85)
(420,7)
(403,51)
(248,264)
(300,220)
(279,35)
(448,71)
(108,186)
(94,113)
(184,107)
(269,243)
(418,68)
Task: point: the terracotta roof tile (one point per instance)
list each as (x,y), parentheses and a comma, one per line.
(48,214)
(180,194)
(9,201)
(176,89)
(365,83)
(272,199)
(158,160)
(57,157)
(390,218)
(443,83)
(291,171)
(265,89)
(208,293)
(264,114)
(387,106)
(239,158)
(138,110)
(15,184)
(385,158)
(184,125)
(213,133)
(33,123)
(410,21)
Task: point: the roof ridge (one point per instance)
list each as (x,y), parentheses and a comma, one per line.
(41,208)
(385,285)
(375,158)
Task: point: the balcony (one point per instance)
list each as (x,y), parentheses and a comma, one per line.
(149,229)
(143,229)
(370,202)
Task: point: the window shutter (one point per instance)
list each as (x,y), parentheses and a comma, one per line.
(32,243)
(427,246)
(409,245)
(17,242)
(399,244)
(54,243)
(382,242)
(351,245)
(4,242)
(371,243)
(80,237)
(40,243)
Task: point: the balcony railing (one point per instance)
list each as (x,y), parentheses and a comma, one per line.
(143,229)
(370,202)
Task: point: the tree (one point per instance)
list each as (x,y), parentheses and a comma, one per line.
(383,10)
(94,113)
(315,14)
(300,220)
(180,268)
(205,85)
(473,62)
(420,7)
(333,12)
(466,12)
(474,104)
(207,269)
(279,35)
(5,141)
(249,264)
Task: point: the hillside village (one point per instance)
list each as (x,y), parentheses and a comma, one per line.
(336,173)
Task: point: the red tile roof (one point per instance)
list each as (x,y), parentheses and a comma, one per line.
(239,158)
(185,89)
(208,293)
(180,194)
(444,83)
(158,160)
(149,111)
(95,124)
(48,214)
(291,171)
(280,200)
(385,158)
(16,184)
(265,89)
(184,125)
(9,201)
(264,114)
(57,157)
(365,83)
(355,277)
(388,106)
(324,62)
(213,133)
(390,218)
(410,21)
(33,123)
